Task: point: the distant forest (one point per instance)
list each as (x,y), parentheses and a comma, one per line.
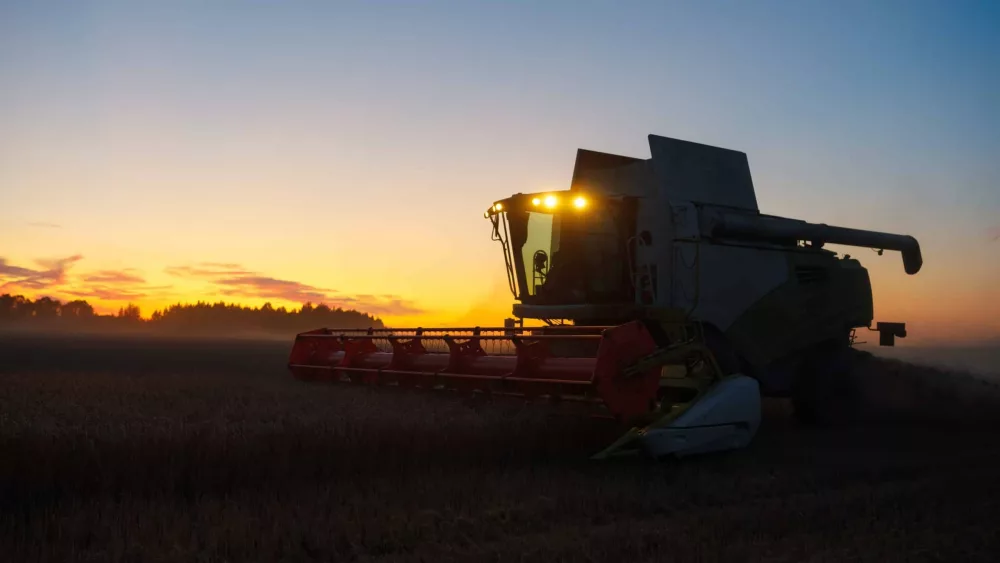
(17,311)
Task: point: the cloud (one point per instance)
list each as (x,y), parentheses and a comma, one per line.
(114,277)
(115,285)
(107,293)
(44,225)
(7,270)
(53,273)
(233,280)
(207,270)
(52,276)
(394,306)
(261,286)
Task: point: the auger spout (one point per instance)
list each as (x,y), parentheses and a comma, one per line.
(766,227)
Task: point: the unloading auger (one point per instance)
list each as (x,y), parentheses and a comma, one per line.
(669,303)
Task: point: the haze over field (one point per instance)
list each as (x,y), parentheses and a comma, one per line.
(344,152)
(981,361)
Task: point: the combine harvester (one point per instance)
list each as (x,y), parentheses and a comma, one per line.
(669,302)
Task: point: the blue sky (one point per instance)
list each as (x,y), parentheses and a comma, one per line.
(159,133)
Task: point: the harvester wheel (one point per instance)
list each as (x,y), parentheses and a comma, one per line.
(825,392)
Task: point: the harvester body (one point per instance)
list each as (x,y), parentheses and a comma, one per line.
(669,301)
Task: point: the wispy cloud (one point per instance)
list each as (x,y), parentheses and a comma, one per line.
(233,280)
(116,285)
(394,306)
(53,277)
(52,273)
(115,277)
(261,286)
(207,270)
(44,225)
(107,293)
(11,271)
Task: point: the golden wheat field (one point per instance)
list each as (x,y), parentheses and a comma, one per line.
(125,449)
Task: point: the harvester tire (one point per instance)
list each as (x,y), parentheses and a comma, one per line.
(825,392)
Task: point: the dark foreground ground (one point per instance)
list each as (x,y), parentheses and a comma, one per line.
(143,450)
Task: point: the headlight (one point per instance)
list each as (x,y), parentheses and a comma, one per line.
(580,202)
(551,201)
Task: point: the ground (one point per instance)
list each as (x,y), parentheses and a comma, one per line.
(169,450)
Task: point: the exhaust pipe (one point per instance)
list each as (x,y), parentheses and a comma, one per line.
(765,227)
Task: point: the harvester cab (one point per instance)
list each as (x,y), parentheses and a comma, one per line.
(563,249)
(664,299)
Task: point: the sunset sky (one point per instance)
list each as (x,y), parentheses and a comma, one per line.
(345,152)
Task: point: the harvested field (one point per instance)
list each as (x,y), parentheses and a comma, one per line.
(169,450)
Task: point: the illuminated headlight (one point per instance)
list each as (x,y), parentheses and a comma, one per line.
(551,201)
(497,207)
(536,201)
(580,202)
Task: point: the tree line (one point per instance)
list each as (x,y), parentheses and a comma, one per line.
(18,310)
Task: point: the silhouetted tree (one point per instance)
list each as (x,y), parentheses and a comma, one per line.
(23,307)
(7,306)
(78,309)
(46,308)
(197,317)
(130,312)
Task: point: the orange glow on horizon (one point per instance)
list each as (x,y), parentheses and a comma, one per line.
(935,313)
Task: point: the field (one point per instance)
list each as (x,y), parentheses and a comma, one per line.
(119,449)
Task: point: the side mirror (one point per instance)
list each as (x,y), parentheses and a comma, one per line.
(887,333)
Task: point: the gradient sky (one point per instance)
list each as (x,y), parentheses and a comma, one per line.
(345,152)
